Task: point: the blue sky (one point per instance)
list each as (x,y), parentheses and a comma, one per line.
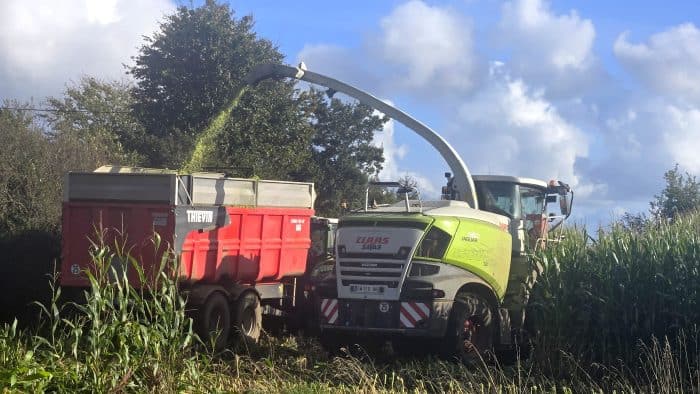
(603,95)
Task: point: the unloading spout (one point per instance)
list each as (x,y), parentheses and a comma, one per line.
(462,183)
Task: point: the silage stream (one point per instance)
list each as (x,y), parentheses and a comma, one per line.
(204,147)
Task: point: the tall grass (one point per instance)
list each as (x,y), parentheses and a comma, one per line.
(606,300)
(122,337)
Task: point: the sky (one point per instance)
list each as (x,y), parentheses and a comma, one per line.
(602,95)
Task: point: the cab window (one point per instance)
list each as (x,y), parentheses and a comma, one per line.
(532,201)
(498,197)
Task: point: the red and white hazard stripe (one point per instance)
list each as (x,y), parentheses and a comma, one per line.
(412,313)
(329,310)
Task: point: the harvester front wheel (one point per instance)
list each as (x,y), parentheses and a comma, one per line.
(248,319)
(213,323)
(471,330)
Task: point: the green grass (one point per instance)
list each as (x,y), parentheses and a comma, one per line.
(616,314)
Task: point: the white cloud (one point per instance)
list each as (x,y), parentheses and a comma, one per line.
(648,137)
(681,135)
(45,44)
(548,49)
(103,12)
(668,63)
(431,46)
(511,129)
(562,42)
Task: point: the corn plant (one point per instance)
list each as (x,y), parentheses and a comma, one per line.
(603,299)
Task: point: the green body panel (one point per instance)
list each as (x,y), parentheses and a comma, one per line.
(484,249)
(447,224)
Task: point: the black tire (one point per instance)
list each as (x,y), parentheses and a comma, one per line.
(470,331)
(213,322)
(247,319)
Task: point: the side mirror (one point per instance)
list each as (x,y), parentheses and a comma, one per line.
(565,202)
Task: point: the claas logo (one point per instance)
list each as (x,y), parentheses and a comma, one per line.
(372,243)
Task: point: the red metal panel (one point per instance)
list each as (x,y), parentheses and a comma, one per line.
(129,226)
(259,244)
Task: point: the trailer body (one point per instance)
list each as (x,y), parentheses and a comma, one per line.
(240,240)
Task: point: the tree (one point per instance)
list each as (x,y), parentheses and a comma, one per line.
(189,74)
(680,195)
(635,222)
(193,68)
(342,151)
(410,182)
(268,134)
(97,110)
(33,166)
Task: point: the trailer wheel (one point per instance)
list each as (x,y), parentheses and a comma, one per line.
(213,322)
(470,331)
(247,319)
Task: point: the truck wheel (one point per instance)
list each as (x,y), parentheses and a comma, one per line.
(247,320)
(470,331)
(213,322)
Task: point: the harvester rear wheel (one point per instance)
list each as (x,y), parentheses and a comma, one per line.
(471,330)
(213,322)
(247,319)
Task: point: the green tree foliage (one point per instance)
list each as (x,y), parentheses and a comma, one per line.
(24,181)
(344,157)
(268,135)
(33,164)
(680,195)
(191,69)
(97,110)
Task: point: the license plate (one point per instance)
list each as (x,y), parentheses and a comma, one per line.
(373,289)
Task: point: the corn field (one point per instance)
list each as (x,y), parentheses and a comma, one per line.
(617,311)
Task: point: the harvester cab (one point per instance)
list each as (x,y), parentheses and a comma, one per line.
(534,207)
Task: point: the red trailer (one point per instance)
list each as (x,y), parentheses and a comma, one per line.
(241,242)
